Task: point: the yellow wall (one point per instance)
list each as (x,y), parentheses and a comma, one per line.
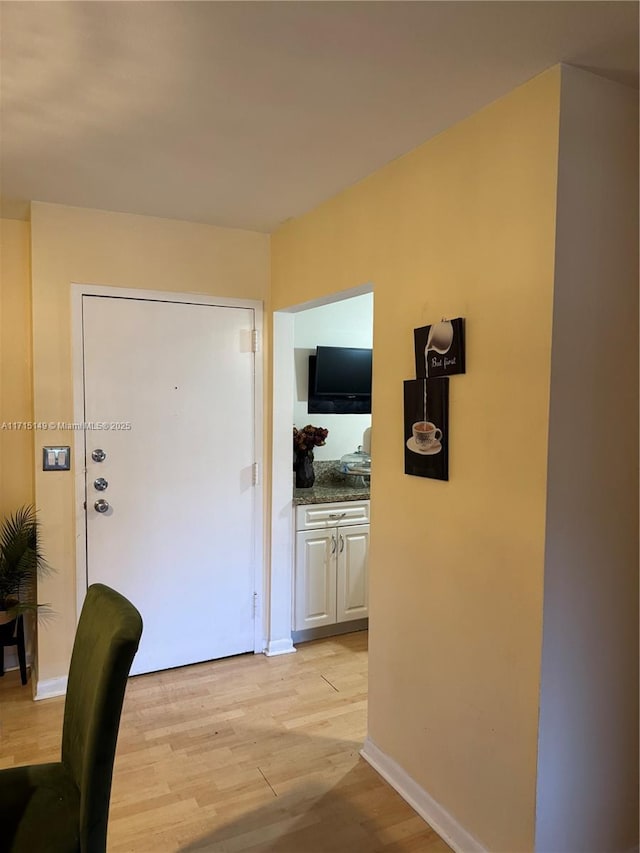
(96,247)
(16,399)
(462,226)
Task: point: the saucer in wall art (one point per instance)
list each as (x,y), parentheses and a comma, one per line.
(431,450)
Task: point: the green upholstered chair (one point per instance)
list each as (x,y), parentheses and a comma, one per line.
(63,807)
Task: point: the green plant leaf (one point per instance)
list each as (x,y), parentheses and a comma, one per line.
(22,560)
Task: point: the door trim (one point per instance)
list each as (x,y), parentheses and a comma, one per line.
(77,292)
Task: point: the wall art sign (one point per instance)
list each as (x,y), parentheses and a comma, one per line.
(440,349)
(426,428)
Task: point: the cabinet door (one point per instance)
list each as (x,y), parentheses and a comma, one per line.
(352,576)
(315,596)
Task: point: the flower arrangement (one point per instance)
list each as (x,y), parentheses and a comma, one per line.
(305,439)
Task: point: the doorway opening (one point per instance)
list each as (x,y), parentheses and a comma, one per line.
(296,332)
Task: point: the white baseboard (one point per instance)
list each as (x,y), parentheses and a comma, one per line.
(279,647)
(435,815)
(11,659)
(50,687)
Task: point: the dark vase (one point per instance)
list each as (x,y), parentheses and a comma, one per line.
(305,475)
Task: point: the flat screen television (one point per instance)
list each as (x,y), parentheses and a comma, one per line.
(340,381)
(343,372)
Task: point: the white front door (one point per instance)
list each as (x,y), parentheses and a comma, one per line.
(174,383)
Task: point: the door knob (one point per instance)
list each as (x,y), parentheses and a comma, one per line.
(101,505)
(100,484)
(98,455)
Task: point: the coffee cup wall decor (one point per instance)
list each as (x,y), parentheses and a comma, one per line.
(439,349)
(426,436)
(426,428)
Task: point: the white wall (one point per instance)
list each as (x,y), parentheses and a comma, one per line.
(587,787)
(348,323)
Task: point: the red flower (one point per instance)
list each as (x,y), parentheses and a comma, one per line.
(308,437)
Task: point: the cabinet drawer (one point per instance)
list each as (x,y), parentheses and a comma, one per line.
(314,516)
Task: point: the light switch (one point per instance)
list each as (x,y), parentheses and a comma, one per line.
(56,458)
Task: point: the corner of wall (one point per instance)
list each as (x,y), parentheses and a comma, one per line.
(588,736)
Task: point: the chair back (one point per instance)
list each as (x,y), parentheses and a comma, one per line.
(106,641)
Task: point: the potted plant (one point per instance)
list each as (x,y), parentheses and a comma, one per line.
(304,440)
(21,561)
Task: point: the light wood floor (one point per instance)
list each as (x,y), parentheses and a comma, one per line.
(244,754)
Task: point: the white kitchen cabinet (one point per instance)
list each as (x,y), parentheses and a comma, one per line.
(351,574)
(315,579)
(331,584)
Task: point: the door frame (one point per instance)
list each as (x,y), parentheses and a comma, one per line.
(77,292)
(282,533)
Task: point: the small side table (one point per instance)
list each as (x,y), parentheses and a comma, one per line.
(16,640)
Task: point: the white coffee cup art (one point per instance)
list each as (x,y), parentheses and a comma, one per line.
(439,340)
(426,435)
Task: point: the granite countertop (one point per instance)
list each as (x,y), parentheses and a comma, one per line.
(332,487)
(329,494)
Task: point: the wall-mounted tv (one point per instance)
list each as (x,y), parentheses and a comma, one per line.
(340,381)
(343,372)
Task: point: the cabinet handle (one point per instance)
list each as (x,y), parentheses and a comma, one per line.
(334,544)
(341,544)
(337,514)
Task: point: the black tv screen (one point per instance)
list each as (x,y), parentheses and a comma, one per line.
(343,372)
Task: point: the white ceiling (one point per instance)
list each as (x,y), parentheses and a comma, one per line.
(247,113)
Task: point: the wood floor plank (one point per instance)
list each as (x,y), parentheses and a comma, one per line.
(244,755)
